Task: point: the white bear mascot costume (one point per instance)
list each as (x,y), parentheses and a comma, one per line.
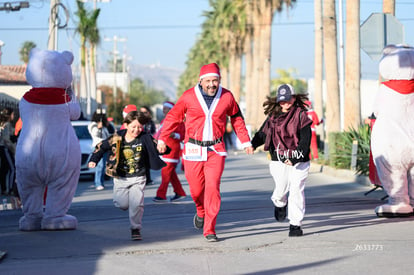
(392,138)
(48,152)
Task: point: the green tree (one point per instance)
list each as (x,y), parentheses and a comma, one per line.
(140,94)
(24,52)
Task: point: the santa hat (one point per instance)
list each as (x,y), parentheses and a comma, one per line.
(127,109)
(211,69)
(168,104)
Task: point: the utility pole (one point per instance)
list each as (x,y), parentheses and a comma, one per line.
(52,43)
(115,39)
(55,23)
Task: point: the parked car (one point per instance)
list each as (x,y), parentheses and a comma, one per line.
(85,141)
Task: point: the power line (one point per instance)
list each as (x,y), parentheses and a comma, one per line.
(149,27)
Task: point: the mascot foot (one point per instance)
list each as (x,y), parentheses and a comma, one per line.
(66,222)
(394,211)
(30,224)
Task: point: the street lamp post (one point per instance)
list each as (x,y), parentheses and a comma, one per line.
(115,39)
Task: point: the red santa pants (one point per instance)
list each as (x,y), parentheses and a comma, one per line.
(168,174)
(204,179)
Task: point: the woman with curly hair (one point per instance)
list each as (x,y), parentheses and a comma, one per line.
(286,134)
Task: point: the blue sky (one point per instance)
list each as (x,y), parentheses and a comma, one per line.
(163,31)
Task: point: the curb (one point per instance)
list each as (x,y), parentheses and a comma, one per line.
(340,173)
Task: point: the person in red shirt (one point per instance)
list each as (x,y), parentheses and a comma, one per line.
(205,109)
(168,173)
(315,122)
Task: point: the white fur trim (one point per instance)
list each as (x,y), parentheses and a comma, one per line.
(169,160)
(209,74)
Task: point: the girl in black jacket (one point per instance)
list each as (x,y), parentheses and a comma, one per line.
(286,134)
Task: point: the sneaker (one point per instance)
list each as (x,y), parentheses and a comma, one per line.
(177,198)
(295,231)
(2,254)
(211,238)
(159,200)
(99,188)
(280,213)
(136,235)
(198,222)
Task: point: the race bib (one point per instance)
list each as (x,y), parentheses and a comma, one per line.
(195,152)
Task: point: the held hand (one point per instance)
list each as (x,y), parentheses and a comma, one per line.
(161,147)
(91,164)
(249,150)
(288,162)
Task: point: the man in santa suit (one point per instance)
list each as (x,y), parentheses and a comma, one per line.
(315,122)
(205,108)
(168,173)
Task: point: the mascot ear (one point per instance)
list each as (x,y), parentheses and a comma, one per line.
(68,56)
(33,52)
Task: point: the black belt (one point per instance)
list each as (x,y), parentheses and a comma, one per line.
(206,143)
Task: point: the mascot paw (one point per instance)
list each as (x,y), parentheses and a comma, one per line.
(66,222)
(394,211)
(30,224)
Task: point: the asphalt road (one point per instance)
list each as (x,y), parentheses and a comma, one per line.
(342,235)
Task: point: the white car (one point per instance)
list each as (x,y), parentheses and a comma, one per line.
(85,141)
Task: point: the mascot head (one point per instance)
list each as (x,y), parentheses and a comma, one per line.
(49,69)
(397,62)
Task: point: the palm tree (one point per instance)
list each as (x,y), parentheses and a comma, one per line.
(230,24)
(333,123)
(206,50)
(352,103)
(262,18)
(248,53)
(87,29)
(318,77)
(25,51)
(94,39)
(239,25)
(82,30)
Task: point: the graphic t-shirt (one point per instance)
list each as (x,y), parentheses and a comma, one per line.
(132,158)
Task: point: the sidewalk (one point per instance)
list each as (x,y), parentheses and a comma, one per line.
(342,233)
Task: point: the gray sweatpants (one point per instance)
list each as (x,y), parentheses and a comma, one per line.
(129,194)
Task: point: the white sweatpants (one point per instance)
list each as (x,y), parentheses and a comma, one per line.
(129,194)
(290,179)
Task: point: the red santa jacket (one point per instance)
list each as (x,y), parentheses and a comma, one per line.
(314,117)
(204,124)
